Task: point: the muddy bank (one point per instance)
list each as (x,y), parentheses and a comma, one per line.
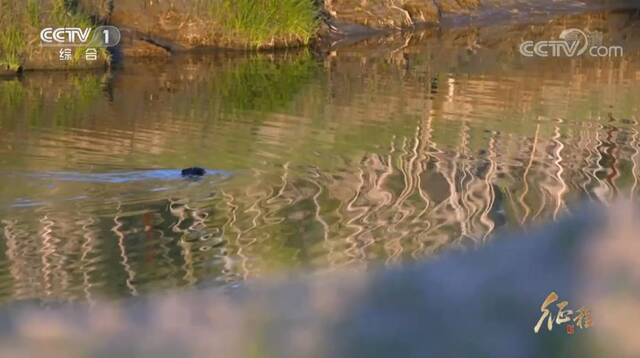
(491,45)
(349,19)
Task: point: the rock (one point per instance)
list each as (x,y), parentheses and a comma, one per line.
(133,44)
(383,14)
(140,48)
(457,6)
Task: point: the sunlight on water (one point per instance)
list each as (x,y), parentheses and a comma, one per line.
(344,161)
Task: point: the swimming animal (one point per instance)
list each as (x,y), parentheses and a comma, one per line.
(193,172)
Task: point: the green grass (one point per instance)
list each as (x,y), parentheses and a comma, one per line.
(21,21)
(12,35)
(12,45)
(33,12)
(263,23)
(65,13)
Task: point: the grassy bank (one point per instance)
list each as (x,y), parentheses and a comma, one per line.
(21,22)
(241,24)
(265,23)
(12,36)
(12,46)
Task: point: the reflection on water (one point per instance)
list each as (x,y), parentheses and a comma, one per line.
(364,156)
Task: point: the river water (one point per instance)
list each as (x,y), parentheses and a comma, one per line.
(381,152)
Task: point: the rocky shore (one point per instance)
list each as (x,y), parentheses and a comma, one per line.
(160,28)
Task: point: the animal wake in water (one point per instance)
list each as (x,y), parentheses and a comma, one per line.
(131,176)
(63,186)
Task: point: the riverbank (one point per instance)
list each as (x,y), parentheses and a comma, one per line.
(159,29)
(153,28)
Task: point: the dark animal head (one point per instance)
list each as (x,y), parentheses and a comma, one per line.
(193,172)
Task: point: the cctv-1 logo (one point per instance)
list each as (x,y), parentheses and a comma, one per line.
(103,36)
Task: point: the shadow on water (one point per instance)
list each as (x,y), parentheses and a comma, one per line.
(387,151)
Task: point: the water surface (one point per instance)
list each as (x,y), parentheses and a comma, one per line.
(382,152)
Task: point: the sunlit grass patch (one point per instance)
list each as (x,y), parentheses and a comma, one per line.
(13,33)
(12,45)
(33,12)
(264,23)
